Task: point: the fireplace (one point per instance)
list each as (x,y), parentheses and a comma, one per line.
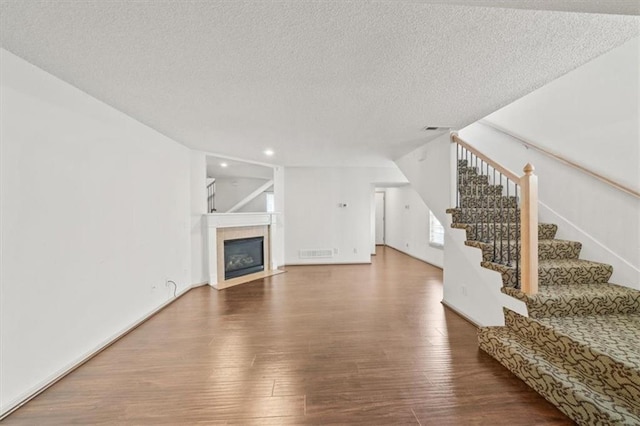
(243,256)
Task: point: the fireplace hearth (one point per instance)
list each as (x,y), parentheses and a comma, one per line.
(243,256)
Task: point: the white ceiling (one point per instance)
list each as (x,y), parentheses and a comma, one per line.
(323,83)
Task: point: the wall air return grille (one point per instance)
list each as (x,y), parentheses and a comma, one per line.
(315,253)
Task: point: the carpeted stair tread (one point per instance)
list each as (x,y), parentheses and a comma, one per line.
(484,215)
(578,299)
(558,272)
(613,364)
(616,336)
(547,249)
(546,231)
(555,381)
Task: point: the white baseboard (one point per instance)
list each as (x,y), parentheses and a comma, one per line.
(54,378)
(460,313)
(415,257)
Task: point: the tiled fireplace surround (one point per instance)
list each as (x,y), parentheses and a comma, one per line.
(231,226)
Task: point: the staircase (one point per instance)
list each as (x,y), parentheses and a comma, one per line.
(579,347)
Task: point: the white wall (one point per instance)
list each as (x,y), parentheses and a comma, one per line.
(590,115)
(407,225)
(95,218)
(315,221)
(198,183)
(230,191)
(428,169)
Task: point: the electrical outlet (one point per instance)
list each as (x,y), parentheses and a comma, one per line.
(464,290)
(355,250)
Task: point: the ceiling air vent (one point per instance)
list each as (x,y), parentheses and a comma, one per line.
(315,253)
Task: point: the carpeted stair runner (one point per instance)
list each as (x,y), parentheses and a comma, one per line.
(579,347)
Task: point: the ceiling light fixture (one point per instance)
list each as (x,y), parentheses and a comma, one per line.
(223,164)
(268,152)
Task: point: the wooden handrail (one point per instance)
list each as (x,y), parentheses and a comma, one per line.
(529,231)
(508,173)
(565,161)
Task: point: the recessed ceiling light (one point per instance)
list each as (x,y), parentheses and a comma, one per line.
(223,164)
(268,152)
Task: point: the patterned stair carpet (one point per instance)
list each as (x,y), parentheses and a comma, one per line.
(579,347)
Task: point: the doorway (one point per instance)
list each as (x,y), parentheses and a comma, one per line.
(380,212)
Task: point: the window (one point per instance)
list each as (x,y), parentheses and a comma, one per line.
(436,231)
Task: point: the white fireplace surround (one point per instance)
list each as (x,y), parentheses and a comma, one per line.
(216,221)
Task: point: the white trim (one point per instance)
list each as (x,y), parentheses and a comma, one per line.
(230,220)
(460,313)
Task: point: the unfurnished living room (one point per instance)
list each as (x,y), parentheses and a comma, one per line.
(320,212)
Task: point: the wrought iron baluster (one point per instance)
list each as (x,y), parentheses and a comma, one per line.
(478,200)
(501,223)
(475,206)
(458,175)
(495,208)
(518,241)
(508,215)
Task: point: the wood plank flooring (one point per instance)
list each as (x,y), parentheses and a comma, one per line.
(350,344)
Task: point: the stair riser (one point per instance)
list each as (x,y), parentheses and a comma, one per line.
(475,190)
(579,305)
(467,171)
(491,201)
(468,178)
(545,231)
(615,379)
(559,276)
(545,252)
(578,406)
(473,215)
(599,273)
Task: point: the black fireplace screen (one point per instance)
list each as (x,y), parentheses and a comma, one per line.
(243,256)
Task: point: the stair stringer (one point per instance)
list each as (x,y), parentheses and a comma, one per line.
(471,290)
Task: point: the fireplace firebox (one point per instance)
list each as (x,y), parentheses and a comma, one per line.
(243,256)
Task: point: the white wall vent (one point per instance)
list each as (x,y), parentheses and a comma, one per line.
(314,253)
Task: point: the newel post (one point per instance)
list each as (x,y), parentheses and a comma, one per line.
(529,223)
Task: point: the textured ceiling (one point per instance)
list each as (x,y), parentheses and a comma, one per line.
(322,83)
(618,7)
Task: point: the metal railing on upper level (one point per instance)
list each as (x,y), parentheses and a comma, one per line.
(211,197)
(502,208)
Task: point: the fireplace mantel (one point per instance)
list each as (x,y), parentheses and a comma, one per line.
(220,225)
(232,220)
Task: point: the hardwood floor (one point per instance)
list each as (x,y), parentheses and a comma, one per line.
(352,344)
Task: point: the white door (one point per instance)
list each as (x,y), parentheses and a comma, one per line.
(379,218)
